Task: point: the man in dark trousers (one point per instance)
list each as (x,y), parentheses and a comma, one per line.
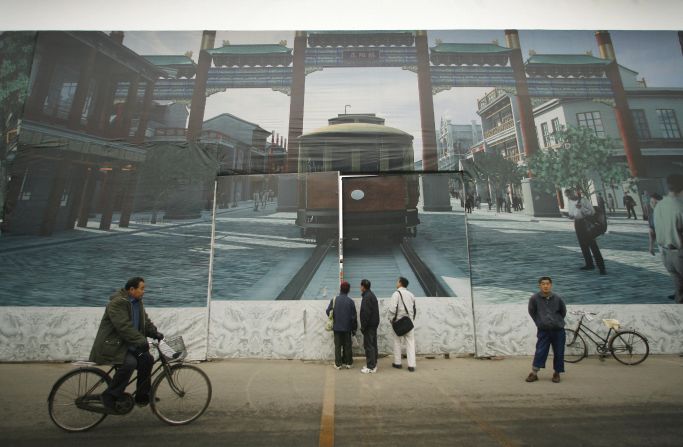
(630,205)
(122,341)
(548,311)
(369,321)
(345,322)
(579,209)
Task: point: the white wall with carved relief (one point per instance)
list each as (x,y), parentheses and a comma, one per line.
(295,329)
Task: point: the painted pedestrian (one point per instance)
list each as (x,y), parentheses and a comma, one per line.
(580,209)
(668,222)
(610,204)
(630,204)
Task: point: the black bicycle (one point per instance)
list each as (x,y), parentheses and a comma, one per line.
(180,393)
(627,346)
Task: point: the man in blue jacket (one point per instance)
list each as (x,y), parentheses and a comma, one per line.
(345,322)
(548,311)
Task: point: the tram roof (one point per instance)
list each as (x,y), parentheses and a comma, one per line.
(356,128)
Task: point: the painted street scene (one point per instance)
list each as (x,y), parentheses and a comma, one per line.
(117,146)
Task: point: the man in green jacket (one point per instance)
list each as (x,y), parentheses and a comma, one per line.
(121,341)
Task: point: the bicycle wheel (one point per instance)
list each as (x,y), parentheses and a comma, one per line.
(629,347)
(182,397)
(74,385)
(574,346)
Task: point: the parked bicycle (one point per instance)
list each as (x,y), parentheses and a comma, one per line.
(180,393)
(627,346)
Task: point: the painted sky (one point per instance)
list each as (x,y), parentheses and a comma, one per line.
(392,92)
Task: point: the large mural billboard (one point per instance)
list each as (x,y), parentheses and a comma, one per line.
(267,165)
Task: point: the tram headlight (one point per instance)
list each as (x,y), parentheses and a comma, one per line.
(357,194)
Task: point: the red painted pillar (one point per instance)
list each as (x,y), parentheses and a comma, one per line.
(296,102)
(424,86)
(198,104)
(526,114)
(621,109)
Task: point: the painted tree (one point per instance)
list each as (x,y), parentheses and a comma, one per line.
(578,157)
(497,170)
(174,175)
(16,55)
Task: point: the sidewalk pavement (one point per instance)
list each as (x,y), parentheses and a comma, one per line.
(446,402)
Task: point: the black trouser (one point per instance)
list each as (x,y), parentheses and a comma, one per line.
(143,364)
(629,210)
(370,346)
(342,342)
(588,245)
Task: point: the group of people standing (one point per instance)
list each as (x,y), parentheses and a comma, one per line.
(346,324)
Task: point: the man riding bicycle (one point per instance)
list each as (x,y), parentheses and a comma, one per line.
(121,341)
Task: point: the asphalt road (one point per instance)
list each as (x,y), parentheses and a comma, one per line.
(446,402)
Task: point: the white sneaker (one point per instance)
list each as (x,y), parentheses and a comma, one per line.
(348,366)
(367,370)
(337,367)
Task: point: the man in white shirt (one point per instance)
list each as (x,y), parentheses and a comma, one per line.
(668,222)
(401,301)
(578,209)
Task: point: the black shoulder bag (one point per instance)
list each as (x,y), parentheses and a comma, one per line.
(404,324)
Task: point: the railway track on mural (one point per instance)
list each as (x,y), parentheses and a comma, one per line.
(382,263)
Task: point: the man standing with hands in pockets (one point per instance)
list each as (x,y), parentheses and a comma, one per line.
(548,311)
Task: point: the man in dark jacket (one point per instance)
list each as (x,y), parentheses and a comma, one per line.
(121,341)
(369,320)
(548,311)
(345,322)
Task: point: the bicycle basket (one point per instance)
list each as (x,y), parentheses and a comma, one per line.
(173,349)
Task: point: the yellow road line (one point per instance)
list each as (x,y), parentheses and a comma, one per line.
(327,417)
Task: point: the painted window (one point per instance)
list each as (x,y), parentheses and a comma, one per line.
(546,134)
(592,121)
(640,123)
(556,127)
(668,124)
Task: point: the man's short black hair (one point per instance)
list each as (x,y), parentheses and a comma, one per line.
(134,282)
(545,278)
(365,283)
(675,183)
(344,287)
(403,281)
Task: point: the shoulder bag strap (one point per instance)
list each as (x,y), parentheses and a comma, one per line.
(404,305)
